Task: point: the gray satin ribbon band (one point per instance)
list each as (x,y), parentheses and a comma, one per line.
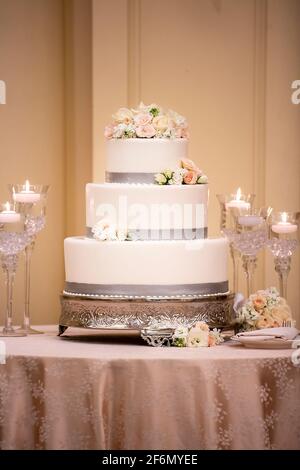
(163,234)
(119,177)
(142,290)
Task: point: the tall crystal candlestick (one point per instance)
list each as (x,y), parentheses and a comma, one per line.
(250,238)
(283,229)
(13,240)
(31,201)
(228,202)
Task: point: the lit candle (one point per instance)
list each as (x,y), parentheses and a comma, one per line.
(26,195)
(237,202)
(8,216)
(250,220)
(284,226)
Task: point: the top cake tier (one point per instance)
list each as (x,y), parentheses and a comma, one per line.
(139,160)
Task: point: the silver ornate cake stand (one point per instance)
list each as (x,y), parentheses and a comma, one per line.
(155,318)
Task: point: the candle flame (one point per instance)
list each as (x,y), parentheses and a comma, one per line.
(7,206)
(284,217)
(27,186)
(238,194)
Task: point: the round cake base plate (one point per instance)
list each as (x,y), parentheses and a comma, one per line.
(155,319)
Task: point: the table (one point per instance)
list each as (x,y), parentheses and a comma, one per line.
(106,390)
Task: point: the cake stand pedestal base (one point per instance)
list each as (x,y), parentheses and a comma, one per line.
(156,319)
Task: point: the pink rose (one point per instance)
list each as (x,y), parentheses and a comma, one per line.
(145,131)
(190,177)
(181,133)
(142,119)
(108,131)
(259,303)
(190,166)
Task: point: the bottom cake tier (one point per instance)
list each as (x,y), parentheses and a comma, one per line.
(146,269)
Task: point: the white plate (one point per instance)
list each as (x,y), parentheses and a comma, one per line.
(267,343)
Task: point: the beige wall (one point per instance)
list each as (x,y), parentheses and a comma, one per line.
(225,64)
(228,66)
(44,129)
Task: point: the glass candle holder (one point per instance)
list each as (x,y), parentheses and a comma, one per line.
(31,200)
(250,238)
(283,241)
(229,203)
(13,240)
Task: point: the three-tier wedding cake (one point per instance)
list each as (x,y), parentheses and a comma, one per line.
(147,224)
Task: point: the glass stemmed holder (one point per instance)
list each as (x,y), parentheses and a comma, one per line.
(229,203)
(31,203)
(283,234)
(13,240)
(249,239)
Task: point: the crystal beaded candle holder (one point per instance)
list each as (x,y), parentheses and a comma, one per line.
(249,239)
(228,202)
(13,240)
(283,241)
(31,201)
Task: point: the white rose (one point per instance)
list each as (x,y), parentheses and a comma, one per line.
(121,235)
(123,116)
(119,131)
(177,176)
(160,178)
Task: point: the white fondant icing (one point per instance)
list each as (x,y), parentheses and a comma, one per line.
(144,155)
(146,262)
(147,206)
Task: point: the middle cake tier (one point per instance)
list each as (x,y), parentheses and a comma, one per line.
(149,211)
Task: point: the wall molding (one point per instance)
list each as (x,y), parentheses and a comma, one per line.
(133,52)
(259,114)
(259,99)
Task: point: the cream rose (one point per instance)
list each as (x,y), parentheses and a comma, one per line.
(198,338)
(161,123)
(190,177)
(203,179)
(160,178)
(123,116)
(145,131)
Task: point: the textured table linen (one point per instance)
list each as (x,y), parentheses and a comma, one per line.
(110,391)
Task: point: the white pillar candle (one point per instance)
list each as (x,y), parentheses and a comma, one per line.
(9,216)
(284,226)
(26,195)
(250,220)
(237,202)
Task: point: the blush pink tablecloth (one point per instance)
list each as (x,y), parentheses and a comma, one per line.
(110,391)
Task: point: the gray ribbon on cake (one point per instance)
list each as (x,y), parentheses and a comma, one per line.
(143,290)
(120,177)
(162,234)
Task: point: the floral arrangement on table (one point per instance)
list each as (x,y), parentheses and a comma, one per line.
(104,230)
(187,173)
(197,336)
(264,309)
(146,121)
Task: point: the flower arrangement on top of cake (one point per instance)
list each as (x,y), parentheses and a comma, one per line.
(147,121)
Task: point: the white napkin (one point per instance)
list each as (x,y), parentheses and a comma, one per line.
(285,333)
